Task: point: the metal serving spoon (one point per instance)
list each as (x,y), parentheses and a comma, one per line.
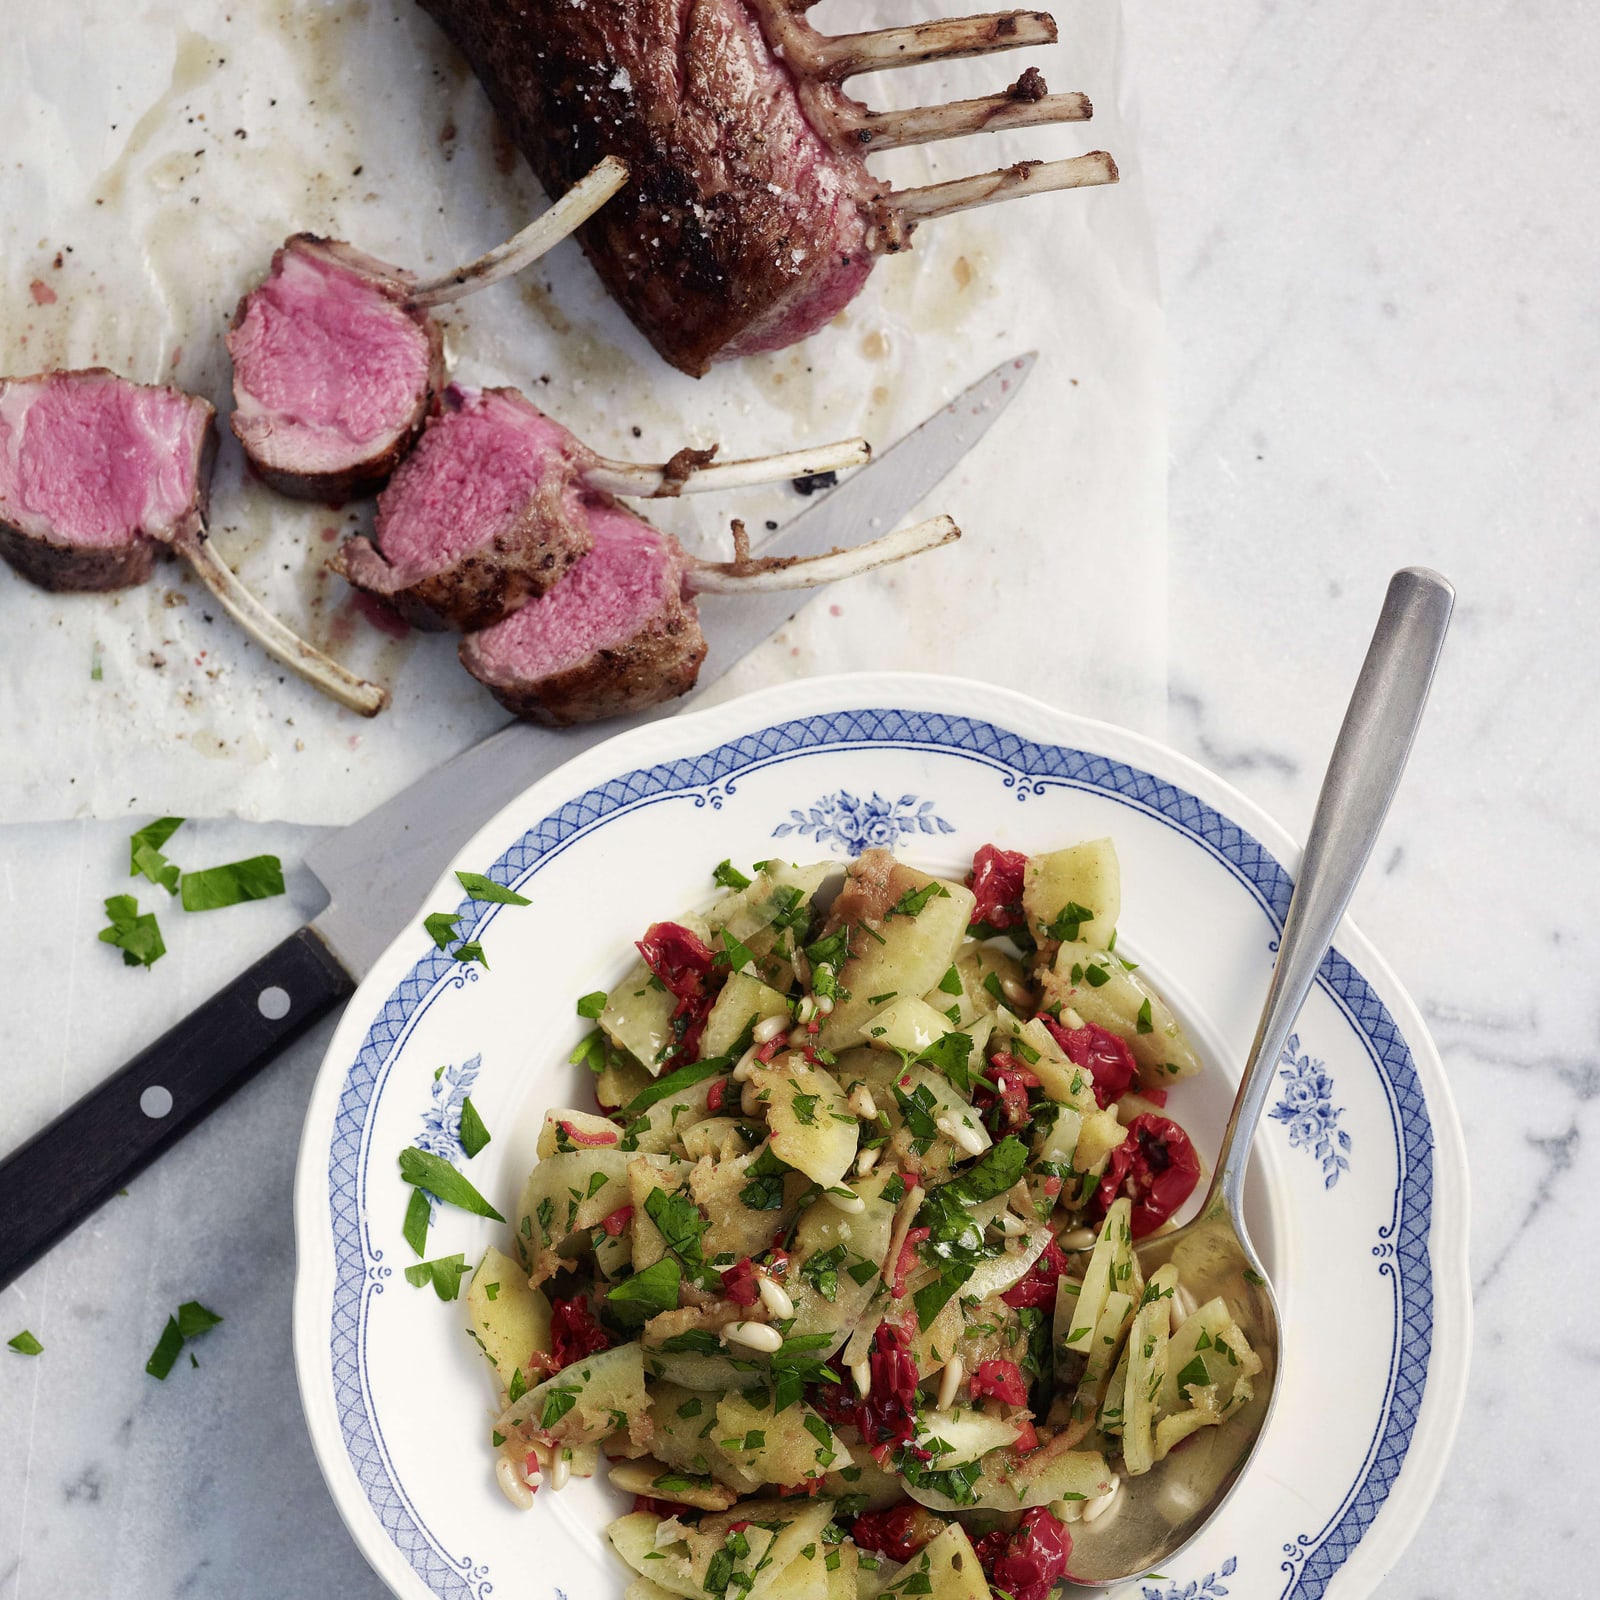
(1160,1511)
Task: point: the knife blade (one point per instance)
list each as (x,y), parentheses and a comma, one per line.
(376,869)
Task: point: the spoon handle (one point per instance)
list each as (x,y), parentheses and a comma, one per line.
(1368,758)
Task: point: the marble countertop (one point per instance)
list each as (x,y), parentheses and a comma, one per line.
(1377,232)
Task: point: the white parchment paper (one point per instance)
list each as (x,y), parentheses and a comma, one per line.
(156,153)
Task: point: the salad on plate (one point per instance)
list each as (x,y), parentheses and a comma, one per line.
(838,1278)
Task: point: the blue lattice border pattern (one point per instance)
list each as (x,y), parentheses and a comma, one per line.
(1030,769)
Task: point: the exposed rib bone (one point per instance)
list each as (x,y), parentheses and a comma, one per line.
(1026,177)
(839,56)
(768,573)
(661,481)
(890,130)
(273,636)
(575,207)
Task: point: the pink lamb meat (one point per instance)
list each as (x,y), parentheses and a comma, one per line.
(96,473)
(332,368)
(485,514)
(619,633)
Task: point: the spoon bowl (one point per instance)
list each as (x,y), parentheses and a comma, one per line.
(1154,1516)
(1156,1513)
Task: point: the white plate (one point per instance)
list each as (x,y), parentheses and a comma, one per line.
(1361,1180)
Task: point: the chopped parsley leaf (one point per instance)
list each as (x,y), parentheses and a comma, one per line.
(24,1344)
(591,1005)
(444,1273)
(1068,920)
(256,878)
(635,1300)
(482,888)
(441,927)
(137,937)
(729,876)
(419,1213)
(1144,1024)
(474,1136)
(424,1170)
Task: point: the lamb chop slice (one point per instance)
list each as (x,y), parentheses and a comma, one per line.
(332,367)
(615,636)
(621,632)
(483,515)
(335,354)
(752,218)
(488,512)
(96,475)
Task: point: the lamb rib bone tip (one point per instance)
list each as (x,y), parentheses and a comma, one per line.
(659,481)
(986,188)
(834,57)
(998,113)
(573,209)
(777,572)
(277,639)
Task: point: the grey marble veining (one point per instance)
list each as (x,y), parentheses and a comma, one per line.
(1378,231)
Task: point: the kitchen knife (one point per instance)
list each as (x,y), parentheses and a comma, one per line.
(377,869)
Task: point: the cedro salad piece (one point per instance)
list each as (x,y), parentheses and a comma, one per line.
(837,1276)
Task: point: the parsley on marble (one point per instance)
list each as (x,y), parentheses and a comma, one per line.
(191,1321)
(256,878)
(136,935)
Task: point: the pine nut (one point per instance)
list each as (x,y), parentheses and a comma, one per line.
(768,1029)
(1009,1222)
(746,1066)
(560,1470)
(959,1133)
(775,1299)
(1070,1019)
(867,1161)
(862,1373)
(825,1005)
(851,1204)
(806,1010)
(511,1484)
(950,1381)
(753,1335)
(862,1103)
(1101,1503)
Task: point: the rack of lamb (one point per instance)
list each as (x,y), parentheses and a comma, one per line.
(751,218)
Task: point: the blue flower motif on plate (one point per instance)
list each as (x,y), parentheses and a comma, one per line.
(1308,1111)
(441,1122)
(842,819)
(1209,1587)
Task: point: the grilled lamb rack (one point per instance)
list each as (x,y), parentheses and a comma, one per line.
(752,217)
(488,512)
(97,474)
(621,632)
(335,354)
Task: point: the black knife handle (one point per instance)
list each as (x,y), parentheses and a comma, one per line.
(94,1148)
